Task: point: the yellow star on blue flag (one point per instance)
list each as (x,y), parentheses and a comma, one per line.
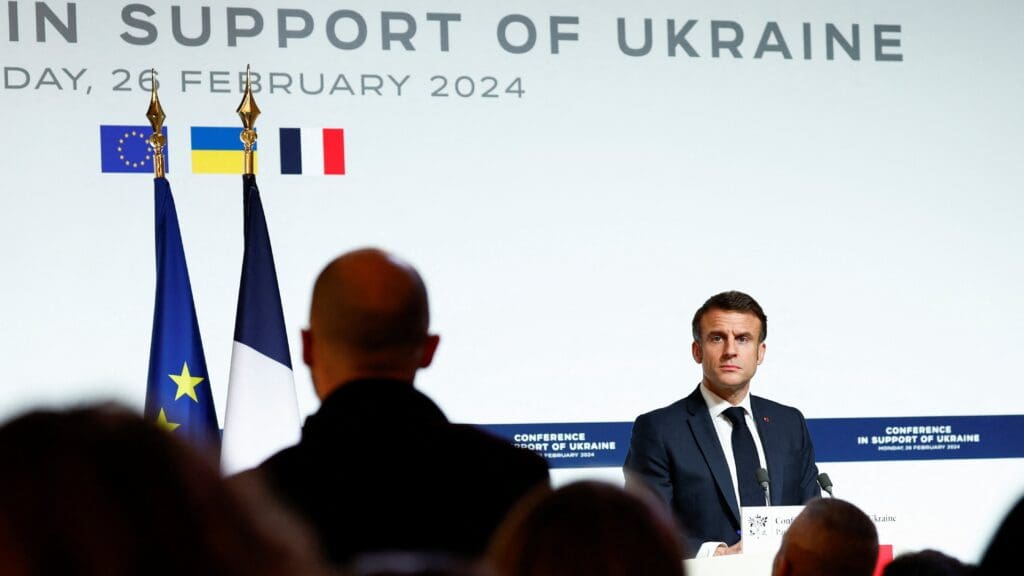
(186,383)
(162,422)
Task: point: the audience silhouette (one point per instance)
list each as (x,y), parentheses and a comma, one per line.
(379,466)
(97,490)
(588,529)
(830,536)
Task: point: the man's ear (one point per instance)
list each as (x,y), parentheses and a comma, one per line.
(761,348)
(307,347)
(698,352)
(429,348)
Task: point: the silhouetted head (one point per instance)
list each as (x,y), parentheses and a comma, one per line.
(100,491)
(405,563)
(1003,550)
(587,529)
(829,536)
(369,318)
(927,563)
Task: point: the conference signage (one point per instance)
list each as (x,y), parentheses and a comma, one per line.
(604,444)
(347,31)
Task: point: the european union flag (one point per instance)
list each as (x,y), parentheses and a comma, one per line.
(178,395)
(126,149)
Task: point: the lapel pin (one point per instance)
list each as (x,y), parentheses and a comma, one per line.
(766,420)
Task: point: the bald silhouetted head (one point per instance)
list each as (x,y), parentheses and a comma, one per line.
(588,529)
(369,318)
(830,537)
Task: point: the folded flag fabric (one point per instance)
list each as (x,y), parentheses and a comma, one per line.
(262,415)
(178,395)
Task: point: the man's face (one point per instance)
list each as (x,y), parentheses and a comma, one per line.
(729,351)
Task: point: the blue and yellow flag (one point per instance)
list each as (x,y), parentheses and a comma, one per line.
(178,395)
(126,149)
(219,150)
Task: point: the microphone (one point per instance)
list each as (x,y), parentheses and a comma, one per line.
(826,483)
(762,479)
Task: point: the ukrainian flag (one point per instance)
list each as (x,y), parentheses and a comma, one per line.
(219,150)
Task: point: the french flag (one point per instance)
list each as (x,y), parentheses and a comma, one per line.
(333,140)
(262,415)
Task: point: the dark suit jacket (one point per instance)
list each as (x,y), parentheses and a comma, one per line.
(676,451)
(379,467)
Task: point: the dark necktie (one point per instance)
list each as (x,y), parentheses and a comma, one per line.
(744,453)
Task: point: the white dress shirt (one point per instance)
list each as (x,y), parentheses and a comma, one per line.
(723,428)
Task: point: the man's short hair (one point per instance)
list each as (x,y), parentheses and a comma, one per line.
(831,536)
(379,305)
(926,563)
(731,301)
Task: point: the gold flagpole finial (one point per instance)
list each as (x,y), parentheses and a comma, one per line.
(157,141)
(248,111)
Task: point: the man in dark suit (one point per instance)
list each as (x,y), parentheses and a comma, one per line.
(379,467)
(702,454)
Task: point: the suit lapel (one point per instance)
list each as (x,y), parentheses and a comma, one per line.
(766,429)
(707,440)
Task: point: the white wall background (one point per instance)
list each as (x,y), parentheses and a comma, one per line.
(874,209)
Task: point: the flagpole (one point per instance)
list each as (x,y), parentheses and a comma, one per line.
(261,415)
(157,140)
(177,364)
(248,111)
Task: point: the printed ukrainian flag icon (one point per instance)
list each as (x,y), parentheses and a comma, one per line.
(219,150)
(126,149)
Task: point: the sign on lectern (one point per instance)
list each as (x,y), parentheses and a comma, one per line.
(763,527)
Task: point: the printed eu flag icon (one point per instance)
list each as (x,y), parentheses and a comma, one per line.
(178,395)
(126,149)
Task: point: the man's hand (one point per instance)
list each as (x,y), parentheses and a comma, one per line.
(724,550)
